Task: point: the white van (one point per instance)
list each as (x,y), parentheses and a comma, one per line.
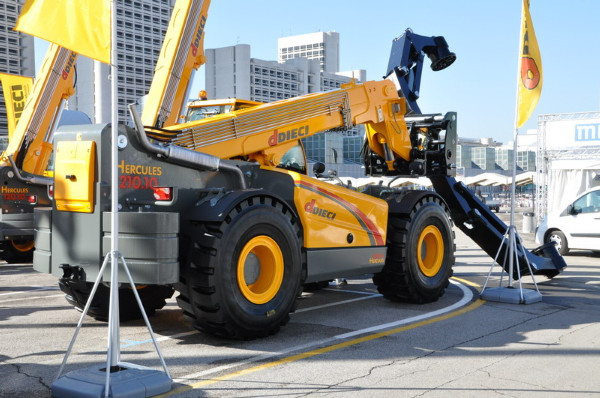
(576,227)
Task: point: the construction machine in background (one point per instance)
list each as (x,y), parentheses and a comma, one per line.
(26,186)
(23,165)
(222,209)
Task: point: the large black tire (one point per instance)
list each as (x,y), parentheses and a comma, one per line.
(420,253)
(560,241)
(241,277)
(17,251)
(152,296)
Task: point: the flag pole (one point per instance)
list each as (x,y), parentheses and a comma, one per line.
(113,354)
(508,294)
(511,226)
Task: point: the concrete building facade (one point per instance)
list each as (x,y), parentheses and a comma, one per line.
(307,64)
(141,27)
(322,46)
(17,54)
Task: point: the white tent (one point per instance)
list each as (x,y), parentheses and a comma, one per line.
(495,179)
(568,178)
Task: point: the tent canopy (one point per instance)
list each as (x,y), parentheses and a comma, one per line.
(485,179)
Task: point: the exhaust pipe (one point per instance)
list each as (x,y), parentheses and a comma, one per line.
(183,156)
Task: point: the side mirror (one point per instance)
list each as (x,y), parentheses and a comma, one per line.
(571,210)
(318,168)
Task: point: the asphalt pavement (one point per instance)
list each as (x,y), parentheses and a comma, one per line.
(343,341)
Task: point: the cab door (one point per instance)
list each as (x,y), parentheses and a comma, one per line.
(585,222)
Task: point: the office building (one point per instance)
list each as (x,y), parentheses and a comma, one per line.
(232,72)
(16,54)
(484,158)
(463,158)
(307,64)
(504,158)
(322,46)
(141,27)
(526,160)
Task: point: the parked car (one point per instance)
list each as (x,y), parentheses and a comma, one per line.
(575,227)
(492,202)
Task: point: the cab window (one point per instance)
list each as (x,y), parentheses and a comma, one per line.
(206,111)
(589,203)
(294,160)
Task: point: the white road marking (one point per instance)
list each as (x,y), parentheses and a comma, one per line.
(31,290)
(31,298)
(467,297)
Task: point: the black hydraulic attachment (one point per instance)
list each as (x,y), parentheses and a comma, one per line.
(478,222)
(406,63)
(437,159)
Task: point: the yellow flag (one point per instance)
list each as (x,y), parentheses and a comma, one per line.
(82,26)
(16,90)
(530,76)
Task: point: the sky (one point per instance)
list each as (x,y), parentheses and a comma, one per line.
(480,86)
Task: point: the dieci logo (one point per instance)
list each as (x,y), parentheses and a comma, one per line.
(69,66)
(292,134)
(311,208)
(198,38)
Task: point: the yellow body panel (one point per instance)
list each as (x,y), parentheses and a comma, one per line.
(74,176)
(330,213)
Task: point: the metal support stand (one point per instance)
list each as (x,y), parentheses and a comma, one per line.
(115,378)
(509,294)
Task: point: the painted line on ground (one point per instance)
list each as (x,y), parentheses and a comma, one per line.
(372,333)
(31,298)
(348,291)
(30,290)
(318,307)
(129,343)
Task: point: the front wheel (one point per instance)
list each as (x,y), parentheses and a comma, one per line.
(560,241)
(420,253)
(241,277)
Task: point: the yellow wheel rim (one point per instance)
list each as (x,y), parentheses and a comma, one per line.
(22,246)
(430,251)
(260,269)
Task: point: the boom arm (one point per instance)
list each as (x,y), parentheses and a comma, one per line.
(31,144)
(182,52)
(260,132)
(257,132)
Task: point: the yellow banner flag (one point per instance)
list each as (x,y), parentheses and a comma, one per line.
(16,90)
(530,76)
(82,26)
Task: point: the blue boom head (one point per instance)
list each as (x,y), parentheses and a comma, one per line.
(406,63)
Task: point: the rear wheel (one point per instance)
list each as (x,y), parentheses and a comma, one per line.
(152,297)
(420,254)
(17,251)
(241,277)
(560,241)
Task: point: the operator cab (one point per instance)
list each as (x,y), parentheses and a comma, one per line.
(203,108)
